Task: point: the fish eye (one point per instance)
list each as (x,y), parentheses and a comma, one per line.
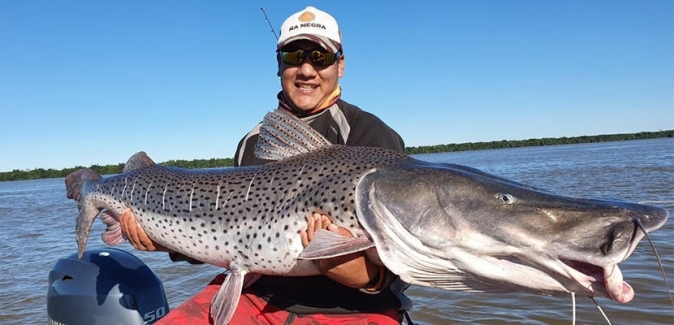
(506,198)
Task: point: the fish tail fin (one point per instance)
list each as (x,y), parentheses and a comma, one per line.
(75,182)
(78,184)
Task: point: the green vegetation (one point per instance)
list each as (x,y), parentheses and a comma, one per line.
(227,162)
(40,173)
(538,142)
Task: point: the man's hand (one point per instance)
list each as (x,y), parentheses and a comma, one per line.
(352,270)
(136,235)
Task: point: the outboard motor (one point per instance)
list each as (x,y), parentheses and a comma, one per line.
(107,286)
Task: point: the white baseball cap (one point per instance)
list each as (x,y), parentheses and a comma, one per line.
(314,25)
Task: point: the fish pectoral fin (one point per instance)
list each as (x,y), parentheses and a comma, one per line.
(113,231)
(327,244)
(227,299)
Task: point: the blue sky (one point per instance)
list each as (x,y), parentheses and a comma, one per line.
(92,82)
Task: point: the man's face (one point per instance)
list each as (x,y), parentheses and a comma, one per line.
(306,85)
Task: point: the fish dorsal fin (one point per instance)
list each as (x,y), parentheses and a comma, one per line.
(283,135)
(137,161)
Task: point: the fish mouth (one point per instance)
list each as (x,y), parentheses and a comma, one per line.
(598,280)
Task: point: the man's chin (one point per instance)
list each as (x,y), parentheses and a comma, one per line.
(305,106)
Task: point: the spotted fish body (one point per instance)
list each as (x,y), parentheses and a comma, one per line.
(439,225)
(246,217)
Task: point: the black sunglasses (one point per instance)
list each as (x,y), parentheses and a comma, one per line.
(317,57)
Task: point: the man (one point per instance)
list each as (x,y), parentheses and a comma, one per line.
(351,288)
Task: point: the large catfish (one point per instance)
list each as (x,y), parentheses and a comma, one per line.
(439,225)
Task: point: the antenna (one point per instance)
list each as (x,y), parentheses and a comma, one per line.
(269,23)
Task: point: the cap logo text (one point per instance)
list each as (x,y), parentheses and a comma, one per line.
(313,25)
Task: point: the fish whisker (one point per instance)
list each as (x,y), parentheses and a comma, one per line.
(573,308)
(601,311)
(657,257)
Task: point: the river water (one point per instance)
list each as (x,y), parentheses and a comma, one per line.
(38,223)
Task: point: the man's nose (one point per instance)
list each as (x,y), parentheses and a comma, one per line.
(307,68)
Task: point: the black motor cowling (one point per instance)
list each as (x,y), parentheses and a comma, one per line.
(105,287)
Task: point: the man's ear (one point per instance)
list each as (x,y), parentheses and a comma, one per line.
(341,64)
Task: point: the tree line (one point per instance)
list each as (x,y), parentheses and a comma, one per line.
(41,173)
(539,142)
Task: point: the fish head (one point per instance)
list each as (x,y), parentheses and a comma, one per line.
(459,228)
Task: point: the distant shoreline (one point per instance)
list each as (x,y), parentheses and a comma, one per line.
(40,173)
(503,144)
